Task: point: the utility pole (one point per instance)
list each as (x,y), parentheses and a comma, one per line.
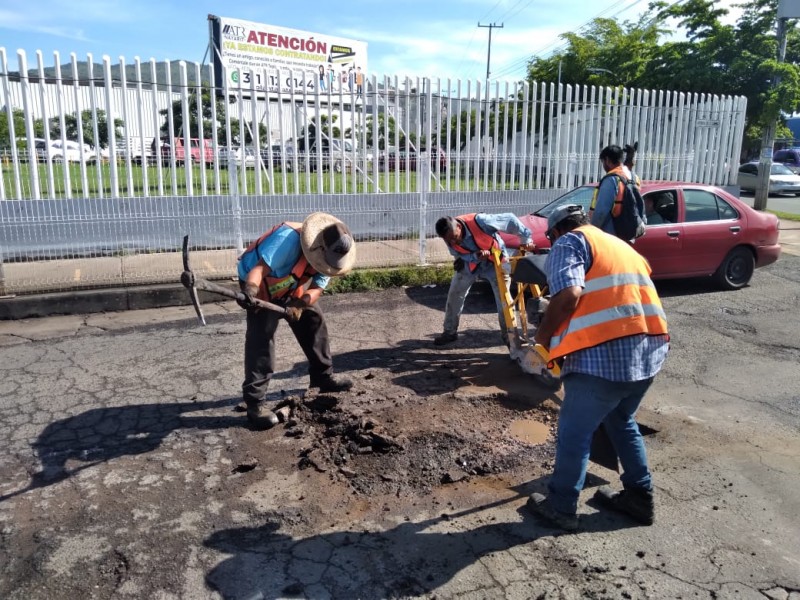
(767,142)
(489,51)
(787,9)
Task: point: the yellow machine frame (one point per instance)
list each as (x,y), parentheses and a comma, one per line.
(532,357)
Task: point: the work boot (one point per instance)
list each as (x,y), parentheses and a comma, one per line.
(637,503)
(445,338)
(331,383)
(260,417)
(540,505)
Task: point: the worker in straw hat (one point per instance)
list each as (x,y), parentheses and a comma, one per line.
(291,264)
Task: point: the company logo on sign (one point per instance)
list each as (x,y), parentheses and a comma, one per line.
(235,33)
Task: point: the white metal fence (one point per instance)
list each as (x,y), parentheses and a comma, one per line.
(75,214)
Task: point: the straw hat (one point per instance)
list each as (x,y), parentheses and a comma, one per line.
(327,244)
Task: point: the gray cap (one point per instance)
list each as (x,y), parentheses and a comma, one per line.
(561,213)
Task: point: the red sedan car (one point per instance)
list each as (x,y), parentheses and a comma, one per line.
(693,230)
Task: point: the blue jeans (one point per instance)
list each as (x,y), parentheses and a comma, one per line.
(589,401)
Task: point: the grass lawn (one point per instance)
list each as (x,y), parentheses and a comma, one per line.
(131,181)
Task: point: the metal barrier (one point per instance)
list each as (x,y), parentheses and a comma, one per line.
(100,180)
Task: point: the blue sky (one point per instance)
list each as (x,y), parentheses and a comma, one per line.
(405,37)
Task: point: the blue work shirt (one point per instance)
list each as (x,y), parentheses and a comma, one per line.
(603,202)
(491,224)
(280,251)
(631,358)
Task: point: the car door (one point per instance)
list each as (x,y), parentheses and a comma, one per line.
(747,177)
(662,244)
(711,227)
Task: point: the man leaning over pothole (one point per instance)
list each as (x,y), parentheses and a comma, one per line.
(291,265)
(606,323)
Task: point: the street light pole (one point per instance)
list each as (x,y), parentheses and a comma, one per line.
(489,50)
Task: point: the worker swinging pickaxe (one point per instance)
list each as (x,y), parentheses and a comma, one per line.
(193,283)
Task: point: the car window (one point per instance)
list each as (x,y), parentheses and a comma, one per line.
(749,169)
(701,205)
(582,195)
(661,207)
(781,170)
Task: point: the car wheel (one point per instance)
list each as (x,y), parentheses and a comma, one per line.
(736,269)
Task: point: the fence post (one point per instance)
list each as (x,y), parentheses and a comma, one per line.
(233,182)
(2,277)
(423,185)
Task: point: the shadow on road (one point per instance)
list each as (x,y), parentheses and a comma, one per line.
(102,434)
(428,370)
(405,561)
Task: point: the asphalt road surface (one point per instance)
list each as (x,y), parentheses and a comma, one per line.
(125,471)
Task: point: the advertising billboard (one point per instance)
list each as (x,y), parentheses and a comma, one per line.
(271,57)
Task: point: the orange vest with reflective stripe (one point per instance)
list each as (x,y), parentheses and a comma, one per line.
(483,240)
(273,288)
(618,298)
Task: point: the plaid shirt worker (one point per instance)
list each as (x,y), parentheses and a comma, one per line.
(631,358)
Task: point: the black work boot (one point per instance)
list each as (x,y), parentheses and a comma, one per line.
(637,503)
(331,383)
(445,338)
(540,505)
(260,417)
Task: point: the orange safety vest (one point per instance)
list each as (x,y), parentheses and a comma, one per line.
(622,173)
(273,288)
(483,240)
(618,298)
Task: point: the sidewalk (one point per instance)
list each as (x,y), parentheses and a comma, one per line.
(133,282)
(129,283)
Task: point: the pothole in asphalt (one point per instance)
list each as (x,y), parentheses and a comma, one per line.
(409,450)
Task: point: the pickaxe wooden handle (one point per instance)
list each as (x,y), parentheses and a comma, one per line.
(193,283)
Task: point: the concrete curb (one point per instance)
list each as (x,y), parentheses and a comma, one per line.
(102,300)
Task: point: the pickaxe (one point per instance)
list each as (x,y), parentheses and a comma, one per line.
(193,283)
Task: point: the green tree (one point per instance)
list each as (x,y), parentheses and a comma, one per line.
(18,119)
(71,128)
(196,117)
(715,58)
(238,139)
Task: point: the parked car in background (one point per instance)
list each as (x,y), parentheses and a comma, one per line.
(280,157)
(58,151)
(243,157)
(400,160)
(782,180)
(198,150)
(789,157)
(693,230)
(331,154)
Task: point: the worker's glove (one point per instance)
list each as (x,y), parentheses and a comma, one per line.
(247,299)
(458,264)
(293,314)
(294,308)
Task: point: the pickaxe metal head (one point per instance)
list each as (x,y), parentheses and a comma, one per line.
(188,280)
